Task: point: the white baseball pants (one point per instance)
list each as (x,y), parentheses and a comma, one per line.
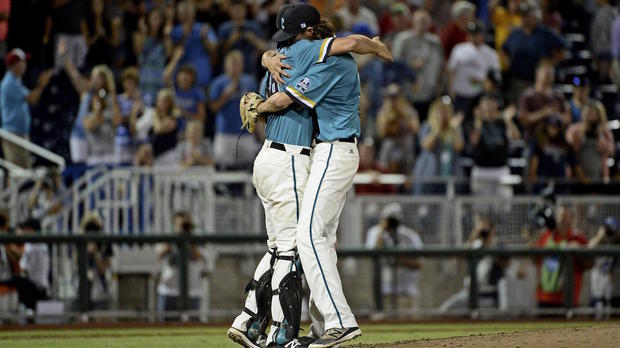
(331,175)
(279,178)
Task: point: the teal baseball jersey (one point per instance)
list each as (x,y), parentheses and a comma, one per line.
(332,90)
(294,125)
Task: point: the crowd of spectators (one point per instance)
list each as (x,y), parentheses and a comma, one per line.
(473,84)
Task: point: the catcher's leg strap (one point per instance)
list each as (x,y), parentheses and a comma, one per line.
(263,294)
(290,295)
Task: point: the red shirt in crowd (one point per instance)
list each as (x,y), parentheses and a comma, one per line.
(570,238)
(451,35)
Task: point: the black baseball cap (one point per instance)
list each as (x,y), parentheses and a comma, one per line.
(293,19)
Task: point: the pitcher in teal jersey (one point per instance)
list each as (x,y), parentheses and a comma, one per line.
(281,170)
(331,89)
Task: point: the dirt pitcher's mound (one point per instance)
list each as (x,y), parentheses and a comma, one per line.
(608,336)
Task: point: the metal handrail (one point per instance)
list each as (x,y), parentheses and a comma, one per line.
(34,148)
(183,241)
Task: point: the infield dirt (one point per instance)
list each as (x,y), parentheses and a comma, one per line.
(574,337)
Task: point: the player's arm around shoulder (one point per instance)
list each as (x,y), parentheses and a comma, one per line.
(360,44)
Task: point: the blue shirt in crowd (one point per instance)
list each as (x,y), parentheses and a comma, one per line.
(195,52)
(249,51)
(227,120)
(525,51)
(13,105)
(152,62)
(187,100)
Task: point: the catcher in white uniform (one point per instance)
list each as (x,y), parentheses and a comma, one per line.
(281,171)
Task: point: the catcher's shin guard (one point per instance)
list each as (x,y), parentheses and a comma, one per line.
(290,295)
(262,290)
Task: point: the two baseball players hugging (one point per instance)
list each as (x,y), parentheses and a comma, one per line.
(302,175)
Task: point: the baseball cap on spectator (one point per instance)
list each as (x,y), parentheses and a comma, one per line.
(460,7)
(475,27)
(392,210)
(400,8)
(16,55)
(362,28)
(293,19)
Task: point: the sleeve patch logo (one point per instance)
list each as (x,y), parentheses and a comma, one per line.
(303,85)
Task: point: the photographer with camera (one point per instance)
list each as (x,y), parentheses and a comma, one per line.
(489,270)
(557,233)
(98,274)
(168,287)
(399,283)
(604,291)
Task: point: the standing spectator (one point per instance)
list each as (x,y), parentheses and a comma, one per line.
(67,23)
(600,29)
(399,20)
(189,97)
(469,65)
(198,41)
(34,267)
(489,271)
(354,12)
(581,94)
(525,47)
(421,50)
(168,254)
(158,126)
(441,141)
(243,35)
(8,267)
(100,85)
(151,49)
(592,143)
(400,275)
(504,19)
(101,121)
(131,95)
(550,153)
(195,150)
(397,126)
(14,100)
(103,35)
(550,289)
(601,278)
(128,100)
(98,265)
(455,31)
(490,142)
(541,101)
(225,93)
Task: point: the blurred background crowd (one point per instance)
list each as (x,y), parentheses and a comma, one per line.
(489,97)
(482,91)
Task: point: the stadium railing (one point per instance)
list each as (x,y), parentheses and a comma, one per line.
(183,241)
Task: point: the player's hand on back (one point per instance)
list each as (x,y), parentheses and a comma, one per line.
(275,66)
(384,52)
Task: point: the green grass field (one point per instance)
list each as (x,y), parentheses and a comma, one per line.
(216,336)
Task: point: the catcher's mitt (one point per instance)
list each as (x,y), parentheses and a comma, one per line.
(248,108)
